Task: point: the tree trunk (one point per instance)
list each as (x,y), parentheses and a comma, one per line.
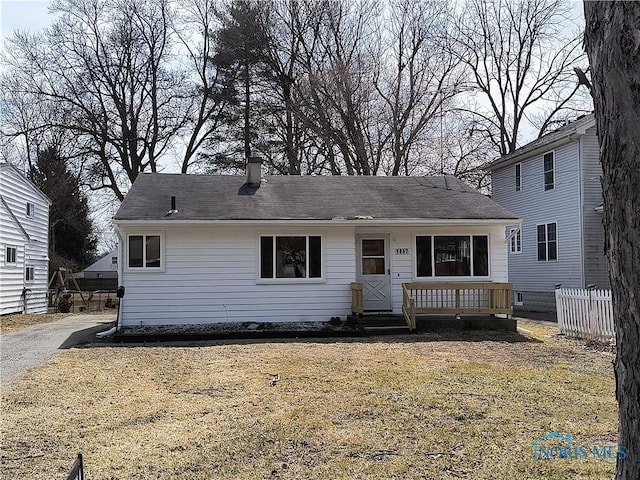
(612,42)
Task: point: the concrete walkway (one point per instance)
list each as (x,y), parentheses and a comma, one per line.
(32,346)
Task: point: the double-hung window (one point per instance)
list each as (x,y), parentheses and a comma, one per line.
(145,252)
(515,244)
(547,242)
(290,256)
(31,209)
(549,171)
(29,273)
(10,254)
(457,256)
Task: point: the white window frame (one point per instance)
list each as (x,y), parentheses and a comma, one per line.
(276,280)
(518,298)
(553,171)
(15,255)
(546,242)
(439,278)
(144,268)
(114,260)
(27,269)
(515,244)
(31,210)
(518,176)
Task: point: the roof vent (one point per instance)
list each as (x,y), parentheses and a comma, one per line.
(173,207)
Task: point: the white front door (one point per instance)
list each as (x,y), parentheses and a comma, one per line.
(374,271)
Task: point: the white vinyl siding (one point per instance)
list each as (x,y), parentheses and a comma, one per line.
(30,236)
(211,274)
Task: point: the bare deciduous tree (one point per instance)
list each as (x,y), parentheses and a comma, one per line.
(519,60)
(612,41)
(416,77)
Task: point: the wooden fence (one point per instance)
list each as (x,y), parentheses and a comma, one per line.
(585,313)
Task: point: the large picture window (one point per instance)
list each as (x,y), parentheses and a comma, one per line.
(452,256)
(144,251)
(291,257)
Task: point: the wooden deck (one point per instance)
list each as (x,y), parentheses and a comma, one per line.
(447,298)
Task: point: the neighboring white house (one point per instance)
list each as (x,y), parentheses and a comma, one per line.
(553,185)
(100,275)
(24,243)
(200,249)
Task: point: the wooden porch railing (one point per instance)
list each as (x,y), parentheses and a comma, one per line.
(456,298)
(357,299)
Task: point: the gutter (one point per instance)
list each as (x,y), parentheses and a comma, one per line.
(410,222)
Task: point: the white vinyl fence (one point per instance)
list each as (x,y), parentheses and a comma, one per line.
(585,313)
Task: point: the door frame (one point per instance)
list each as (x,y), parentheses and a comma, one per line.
(387,276)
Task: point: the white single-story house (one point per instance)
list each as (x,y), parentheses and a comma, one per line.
(201,249)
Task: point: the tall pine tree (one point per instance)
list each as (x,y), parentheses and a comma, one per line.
(72,242)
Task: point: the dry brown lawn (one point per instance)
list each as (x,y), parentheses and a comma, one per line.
(432,406)
(12,323)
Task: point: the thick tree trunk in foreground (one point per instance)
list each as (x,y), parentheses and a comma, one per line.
(612,41)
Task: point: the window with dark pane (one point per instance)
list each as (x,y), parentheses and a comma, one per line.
(291,257)
(423,256)
(452,255)
(480,256)
(549,180)
(136,250)
(315,257)
(552,242)
(152,251)
(373,257)
(266,257)
(542,243)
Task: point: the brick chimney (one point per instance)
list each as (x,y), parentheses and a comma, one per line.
(254,171)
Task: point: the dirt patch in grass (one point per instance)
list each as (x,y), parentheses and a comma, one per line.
(417,406)
(11,323)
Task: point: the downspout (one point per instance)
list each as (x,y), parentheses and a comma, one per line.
(120,293)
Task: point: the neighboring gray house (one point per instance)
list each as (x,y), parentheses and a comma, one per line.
(199,249)
(24,243)
(553,185)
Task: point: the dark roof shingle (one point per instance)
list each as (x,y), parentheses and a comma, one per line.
(225,197)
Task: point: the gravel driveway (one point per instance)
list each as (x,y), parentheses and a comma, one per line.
(32,346)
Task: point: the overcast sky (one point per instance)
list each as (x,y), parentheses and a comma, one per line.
(30,15)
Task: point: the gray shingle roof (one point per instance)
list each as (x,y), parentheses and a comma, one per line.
(218,197)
